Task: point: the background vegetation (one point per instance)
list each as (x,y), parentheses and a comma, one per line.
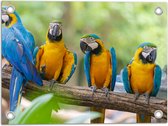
(121,25)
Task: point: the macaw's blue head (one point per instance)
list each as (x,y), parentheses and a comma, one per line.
(55,31)
(91,42)
(147,52)
(9,16)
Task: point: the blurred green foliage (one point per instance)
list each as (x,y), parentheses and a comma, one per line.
(40,112)
(35,113)
(121,25)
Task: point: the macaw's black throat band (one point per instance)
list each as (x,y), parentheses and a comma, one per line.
(98,50)
(54,37)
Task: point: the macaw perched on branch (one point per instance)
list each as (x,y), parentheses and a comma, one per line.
(53,60)
(143,76)
(100,66)
(17,48)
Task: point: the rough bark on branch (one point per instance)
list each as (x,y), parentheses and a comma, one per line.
(83,96)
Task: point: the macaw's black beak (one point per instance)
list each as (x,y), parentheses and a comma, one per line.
(84,47)
(152,56)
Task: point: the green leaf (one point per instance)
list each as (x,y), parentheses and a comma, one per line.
(85,116)
(39,112)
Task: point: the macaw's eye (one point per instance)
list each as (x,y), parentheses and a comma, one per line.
(10,9)
(91,38)
(51,25)
(146,49)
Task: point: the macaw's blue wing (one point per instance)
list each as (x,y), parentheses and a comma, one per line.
(14,52)
(68,68)
(28,51)
(126,82)
(114,68)
(157,80)
(6,34)
(87,67)
(15,89)
(30,40)
(13,34)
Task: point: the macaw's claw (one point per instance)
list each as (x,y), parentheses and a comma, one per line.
(147,98)
(136,96)
(93,88)
(52,82)
(106,90)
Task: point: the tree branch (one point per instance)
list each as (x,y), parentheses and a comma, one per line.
(83,96)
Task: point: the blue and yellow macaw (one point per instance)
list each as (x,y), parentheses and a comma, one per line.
(143,76)
(17,47)
(53,60)
(100,66)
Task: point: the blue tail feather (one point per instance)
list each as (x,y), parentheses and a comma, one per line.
(16,83)
(36,77)
(114,68)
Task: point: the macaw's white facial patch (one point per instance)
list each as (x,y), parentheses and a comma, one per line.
(5,18)
(10,9)
(50,31)
(93,45)
(145,54)
(59,32)
(147,50)
(90,42)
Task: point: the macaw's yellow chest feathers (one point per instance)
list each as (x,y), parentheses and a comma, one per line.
(142,77)
(52,59)
(142,74)
(99,68)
